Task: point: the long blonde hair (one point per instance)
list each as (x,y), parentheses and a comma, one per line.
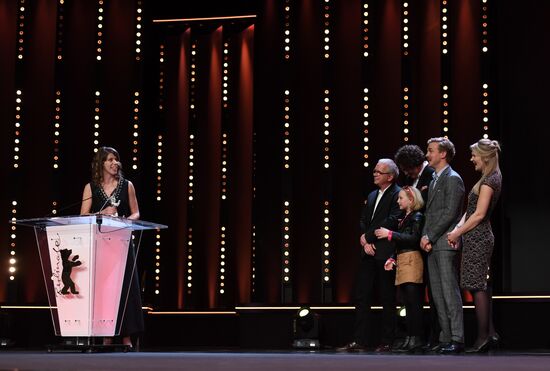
(487,150)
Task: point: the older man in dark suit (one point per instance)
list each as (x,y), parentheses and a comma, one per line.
(443,212)
(380,206)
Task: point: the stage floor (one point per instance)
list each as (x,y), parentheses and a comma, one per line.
(268,360)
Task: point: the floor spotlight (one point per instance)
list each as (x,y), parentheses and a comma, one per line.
(306,329)
(402,311)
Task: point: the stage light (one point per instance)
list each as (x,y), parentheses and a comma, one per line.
(402,311)
(305,325)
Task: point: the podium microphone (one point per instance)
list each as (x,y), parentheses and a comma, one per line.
(67,207)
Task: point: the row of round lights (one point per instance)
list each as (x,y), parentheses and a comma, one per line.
(405,25)
(191,164)
(366,127)
(99,40)
(326,129)
(286,30)
(222,260)
(17,135)
(485,110)
(365,33)
(406,114)
(326,242)
(139,26)
(135,131)
(286,242)
(326,29)
(444,27)
(484,27)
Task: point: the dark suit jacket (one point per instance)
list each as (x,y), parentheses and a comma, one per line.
(386,210)
(407,235)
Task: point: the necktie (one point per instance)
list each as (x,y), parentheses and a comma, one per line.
(435,177)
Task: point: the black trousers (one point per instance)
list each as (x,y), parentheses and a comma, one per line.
(412,295)
(371,276)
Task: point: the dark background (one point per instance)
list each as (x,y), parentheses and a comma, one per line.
(515,68)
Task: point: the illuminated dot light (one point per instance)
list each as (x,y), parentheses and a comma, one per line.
(366,127)
(286,242)
(190,261)
(286,131)
(286,30)
(484,28)
(54,207)
(326,29)
(20,29)
(135,130)
(326,129)
(325,258)
(406,120)
(97,117)
(405,26)
(99,32)
(139,31)
(485,109)
(222,256)
(365,33)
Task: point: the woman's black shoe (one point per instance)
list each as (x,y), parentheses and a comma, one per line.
(481,348)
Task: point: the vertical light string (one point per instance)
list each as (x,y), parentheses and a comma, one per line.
(98,56)
(138,92)
(325,248)
(57,119)
(366,75)
(224,169)
(18,125)
(286,30)
(326,29)
(445,66)
(405,70)
(286,252)
(191,164)
(159,158)
(485,67)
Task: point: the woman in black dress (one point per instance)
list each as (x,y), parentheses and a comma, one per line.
(478,239)
(110,193)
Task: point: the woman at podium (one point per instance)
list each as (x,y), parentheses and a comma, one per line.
(110,193)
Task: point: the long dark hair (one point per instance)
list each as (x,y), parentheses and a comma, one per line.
(97,163)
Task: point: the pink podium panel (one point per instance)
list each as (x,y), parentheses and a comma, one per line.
(84,261)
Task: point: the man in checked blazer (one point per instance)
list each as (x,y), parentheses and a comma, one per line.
(443,212)
(380,206)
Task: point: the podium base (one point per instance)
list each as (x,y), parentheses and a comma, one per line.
(87,345)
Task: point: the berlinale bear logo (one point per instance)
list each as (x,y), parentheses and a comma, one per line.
(68,265)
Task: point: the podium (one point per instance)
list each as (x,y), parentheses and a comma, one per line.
(84,263)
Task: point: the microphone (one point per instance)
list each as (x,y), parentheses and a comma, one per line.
(67,207)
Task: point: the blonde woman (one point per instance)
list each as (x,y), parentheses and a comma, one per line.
(478,239)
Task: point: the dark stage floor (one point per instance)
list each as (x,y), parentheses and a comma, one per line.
(268,360)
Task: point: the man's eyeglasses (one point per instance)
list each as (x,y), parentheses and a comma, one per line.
(378,172)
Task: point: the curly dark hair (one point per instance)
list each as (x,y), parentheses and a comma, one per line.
(409,156)
(97,163)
